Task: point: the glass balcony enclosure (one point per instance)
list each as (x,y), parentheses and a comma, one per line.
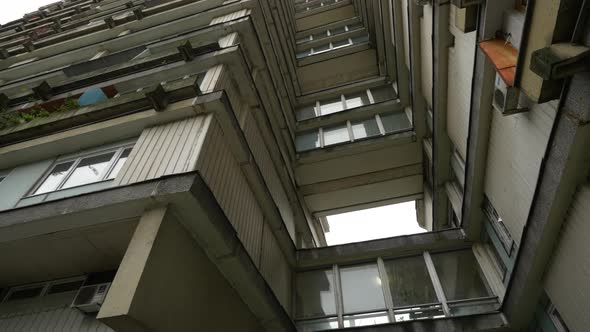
(334,45)
(331,32)
(346,102)
(351,131)
(425,286)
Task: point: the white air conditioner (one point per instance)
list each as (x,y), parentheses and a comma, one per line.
(90,298)
(506,97)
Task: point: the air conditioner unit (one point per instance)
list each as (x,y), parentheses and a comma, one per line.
(465,3)
(505,98)
(90,298)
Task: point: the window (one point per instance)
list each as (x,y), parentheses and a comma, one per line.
(332,45)
(348,101)
(498,226)
(556,318)
(83,170)
(315,294)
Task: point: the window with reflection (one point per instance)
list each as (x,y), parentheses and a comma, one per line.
(361,288)
(335,135)
(307,140)
(365,128)
(367,319)
(460,275)
(315,294)
(395,122)
(85,169)
(409,282)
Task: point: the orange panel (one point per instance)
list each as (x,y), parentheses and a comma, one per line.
(502,54)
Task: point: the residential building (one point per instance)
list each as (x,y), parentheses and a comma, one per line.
(178,165)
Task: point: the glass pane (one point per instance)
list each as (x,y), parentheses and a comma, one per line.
(373,318)
(472,308)
(307,141)
(122,159)
(336,135)
(1,179)
(459,275)
(315,294)
(354,26)
(419,312)
(360,39)
(337,31)
(383,93)
(409,282)
(307,112)
(303,54)
(365,128)
(395,122)
(54,178)
(331,106)
(318,324)
(361,288)
(320,35)
(357,100)
(321,49)
(341,43)
(89,170)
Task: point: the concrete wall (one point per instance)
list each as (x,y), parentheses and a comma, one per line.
(337,14)
(516,149)
(271,177)
(47,313)
(166,149)
(461,59)
(567,277)
(167,283)
(337,71)
(228,184)
(19,181)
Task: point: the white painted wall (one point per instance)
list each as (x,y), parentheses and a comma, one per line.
(567,279)
(516,148)
(461,59)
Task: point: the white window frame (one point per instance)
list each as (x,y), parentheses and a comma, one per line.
(76,158)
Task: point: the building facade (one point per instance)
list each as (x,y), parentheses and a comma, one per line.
(170,165)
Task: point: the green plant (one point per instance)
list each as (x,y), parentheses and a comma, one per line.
(35,112)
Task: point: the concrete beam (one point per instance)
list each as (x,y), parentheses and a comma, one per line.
(486,322)
(442,40)
(395,246)
(480,117)
(566,165)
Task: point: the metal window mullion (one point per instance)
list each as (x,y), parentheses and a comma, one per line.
(70,171)
(380,124)
(440,294)
(370,95)
(343,100)
(338,295)
(350,134)
(385,288)
(321,130)
(318,108)
(112,163)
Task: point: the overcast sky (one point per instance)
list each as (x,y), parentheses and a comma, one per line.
(386,221)
(11,10)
